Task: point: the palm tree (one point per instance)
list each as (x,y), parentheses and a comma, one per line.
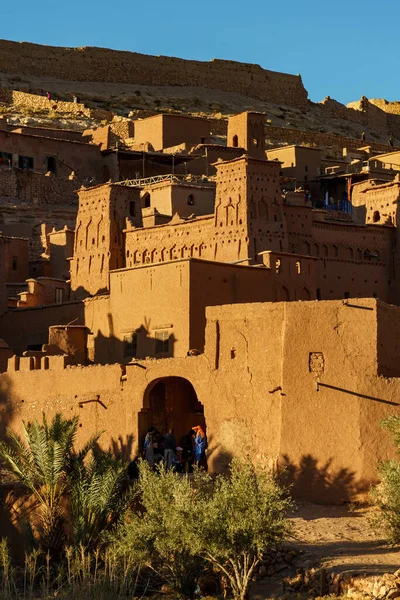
(97,499)
(39,462)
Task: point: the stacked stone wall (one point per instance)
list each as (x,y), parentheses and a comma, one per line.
(36,103)
(100,64)
(30,186)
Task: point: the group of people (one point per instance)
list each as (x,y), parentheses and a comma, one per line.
(181,458)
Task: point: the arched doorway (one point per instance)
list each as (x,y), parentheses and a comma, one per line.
(146,200)
(51,165)
(170,402)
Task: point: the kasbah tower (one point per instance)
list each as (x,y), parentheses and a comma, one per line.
(168,270)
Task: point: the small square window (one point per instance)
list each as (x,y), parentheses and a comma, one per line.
(162,342)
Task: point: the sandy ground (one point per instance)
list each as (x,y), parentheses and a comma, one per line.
(339,538)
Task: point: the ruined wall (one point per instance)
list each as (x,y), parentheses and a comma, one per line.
(37,103)
(100,64)
(31,186)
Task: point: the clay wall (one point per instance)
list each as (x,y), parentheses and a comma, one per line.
(336,349)
(204,164)
(183,198)
(247,130)
(102,343)
(60,134)
(389,160)
(354,261)
(158,303)
(100,64)
(263,199)
(381,203)
(164,131)
(302,163)
(99,136)
(177,239)
(61,247)
(388,342)
(178,129)
(280,135)
(44,291)
(16,259)
(286,277)
(67,156)
(28,328)
(99,238)
(37,188)
(258,389)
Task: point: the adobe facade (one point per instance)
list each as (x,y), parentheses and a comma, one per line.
(301,385)
(226,302)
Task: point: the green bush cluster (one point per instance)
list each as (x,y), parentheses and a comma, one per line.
(96,535)
(386,495)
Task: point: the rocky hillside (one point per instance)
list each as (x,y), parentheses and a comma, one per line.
(130,84)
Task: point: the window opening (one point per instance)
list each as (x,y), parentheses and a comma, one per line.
(59,295)
(130,345)
(162,342)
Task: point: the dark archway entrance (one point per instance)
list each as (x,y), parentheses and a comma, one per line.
(51,165)
(171,402)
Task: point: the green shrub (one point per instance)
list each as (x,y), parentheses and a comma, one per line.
(386,494)
(226,522)
(63,483)
(244,516)
(161,535)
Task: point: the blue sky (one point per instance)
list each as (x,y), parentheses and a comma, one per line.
(343,48)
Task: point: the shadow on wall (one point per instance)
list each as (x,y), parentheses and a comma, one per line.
(320,483)
(123,449)
(218,457)
(135,344)
(6,405)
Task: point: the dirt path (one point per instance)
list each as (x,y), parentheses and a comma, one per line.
(339,538)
